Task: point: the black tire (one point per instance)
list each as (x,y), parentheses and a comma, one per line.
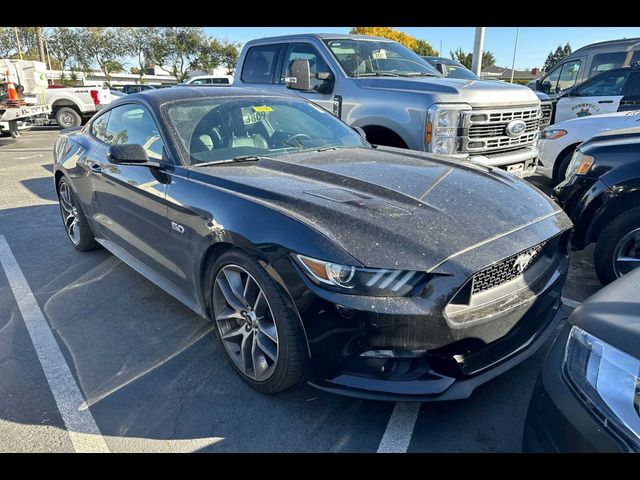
(562,167)
(613,233)
(67,117)
(85,239)
(290,365)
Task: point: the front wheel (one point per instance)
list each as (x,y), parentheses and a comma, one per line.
(618,248)
(75,223)
(257,328)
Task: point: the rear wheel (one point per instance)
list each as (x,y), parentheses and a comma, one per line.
(75,223)
(618,248)
(67,117)
(258,330)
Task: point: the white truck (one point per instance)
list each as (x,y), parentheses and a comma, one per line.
(71,105)
(28,78)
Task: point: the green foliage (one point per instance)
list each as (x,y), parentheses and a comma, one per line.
(466,59)
(424,49)
(554,57)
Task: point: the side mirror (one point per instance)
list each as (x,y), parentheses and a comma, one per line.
(300,78)
(360,131)
(127,153)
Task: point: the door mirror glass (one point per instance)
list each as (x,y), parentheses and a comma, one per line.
(127,153)
(300,76)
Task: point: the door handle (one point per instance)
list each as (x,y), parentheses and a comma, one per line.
(605,101)
(95,167)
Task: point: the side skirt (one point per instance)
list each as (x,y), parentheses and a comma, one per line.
(153,276)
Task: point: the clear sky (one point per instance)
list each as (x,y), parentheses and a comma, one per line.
(534,43)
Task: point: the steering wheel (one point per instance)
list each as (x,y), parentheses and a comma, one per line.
(297,137)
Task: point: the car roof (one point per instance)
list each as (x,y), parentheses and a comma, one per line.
(159,96)
(319,36)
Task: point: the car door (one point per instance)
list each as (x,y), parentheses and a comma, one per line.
(321,92)
(601,94)
(631,97)
(130,200)
(561,78)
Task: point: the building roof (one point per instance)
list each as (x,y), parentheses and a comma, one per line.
(519,74)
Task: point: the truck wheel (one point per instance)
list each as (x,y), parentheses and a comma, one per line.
(618,248)
(67,117)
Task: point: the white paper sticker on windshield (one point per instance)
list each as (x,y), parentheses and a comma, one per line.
(379,54)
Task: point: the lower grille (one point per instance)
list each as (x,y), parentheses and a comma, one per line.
(505,270)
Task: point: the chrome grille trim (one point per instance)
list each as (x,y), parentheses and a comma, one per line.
(485,130)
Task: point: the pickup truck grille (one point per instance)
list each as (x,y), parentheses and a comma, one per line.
(547,110)
(486,130)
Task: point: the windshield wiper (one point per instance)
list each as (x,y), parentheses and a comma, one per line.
(244,158)
(420,74)
(379,74)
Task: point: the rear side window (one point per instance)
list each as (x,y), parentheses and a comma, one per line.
(260,63)
(200,81)
(99,127)
(606,61)
(224,81)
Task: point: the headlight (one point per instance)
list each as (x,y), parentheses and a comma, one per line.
(444,122)
(360,281)
(608,377)
(580,164)
(552,133)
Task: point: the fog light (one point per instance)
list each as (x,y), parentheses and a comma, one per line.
(475,144)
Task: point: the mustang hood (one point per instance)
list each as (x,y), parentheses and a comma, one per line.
(388,209)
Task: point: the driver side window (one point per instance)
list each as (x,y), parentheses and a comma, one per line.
(133,124)
(305,51)
(562,78)
(604,85)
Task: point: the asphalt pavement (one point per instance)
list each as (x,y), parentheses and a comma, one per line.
(152,375)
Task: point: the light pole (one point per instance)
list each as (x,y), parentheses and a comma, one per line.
(15,30)
(515,47)
(476,62)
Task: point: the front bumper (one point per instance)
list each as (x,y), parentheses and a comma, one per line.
(549,150)
(558,420)
(417,347)
(522,162)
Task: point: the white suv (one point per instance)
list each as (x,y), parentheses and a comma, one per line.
(210,80)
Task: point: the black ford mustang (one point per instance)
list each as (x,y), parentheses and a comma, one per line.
(369,271)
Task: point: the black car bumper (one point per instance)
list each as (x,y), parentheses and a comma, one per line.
(416,348)
(583,199)
(558,420)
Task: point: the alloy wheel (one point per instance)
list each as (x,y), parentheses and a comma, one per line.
(626,255)
(69,212)
(245,322)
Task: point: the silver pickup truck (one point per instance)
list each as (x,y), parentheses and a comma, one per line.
(398,99)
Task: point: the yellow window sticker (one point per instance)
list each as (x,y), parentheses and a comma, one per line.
(264,108)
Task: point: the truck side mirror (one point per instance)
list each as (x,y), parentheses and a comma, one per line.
(300,78)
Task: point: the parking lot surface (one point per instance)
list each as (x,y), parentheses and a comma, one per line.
(152,375)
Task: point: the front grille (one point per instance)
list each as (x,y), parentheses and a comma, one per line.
(485,130)
(505,270)
(547,110)
(492,130)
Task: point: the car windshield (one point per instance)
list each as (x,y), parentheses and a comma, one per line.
(458,71)
(217,129)
(369,58)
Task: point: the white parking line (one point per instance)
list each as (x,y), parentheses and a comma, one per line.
(570,303)
(81,427)
(399,430)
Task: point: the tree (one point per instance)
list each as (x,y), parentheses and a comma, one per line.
(182,45)
(7,42)
(103,47)
(387,32)
(554,57)
(424,49)
(466,59)
(209,55)
(63,44)
(144,44)
(230,52)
